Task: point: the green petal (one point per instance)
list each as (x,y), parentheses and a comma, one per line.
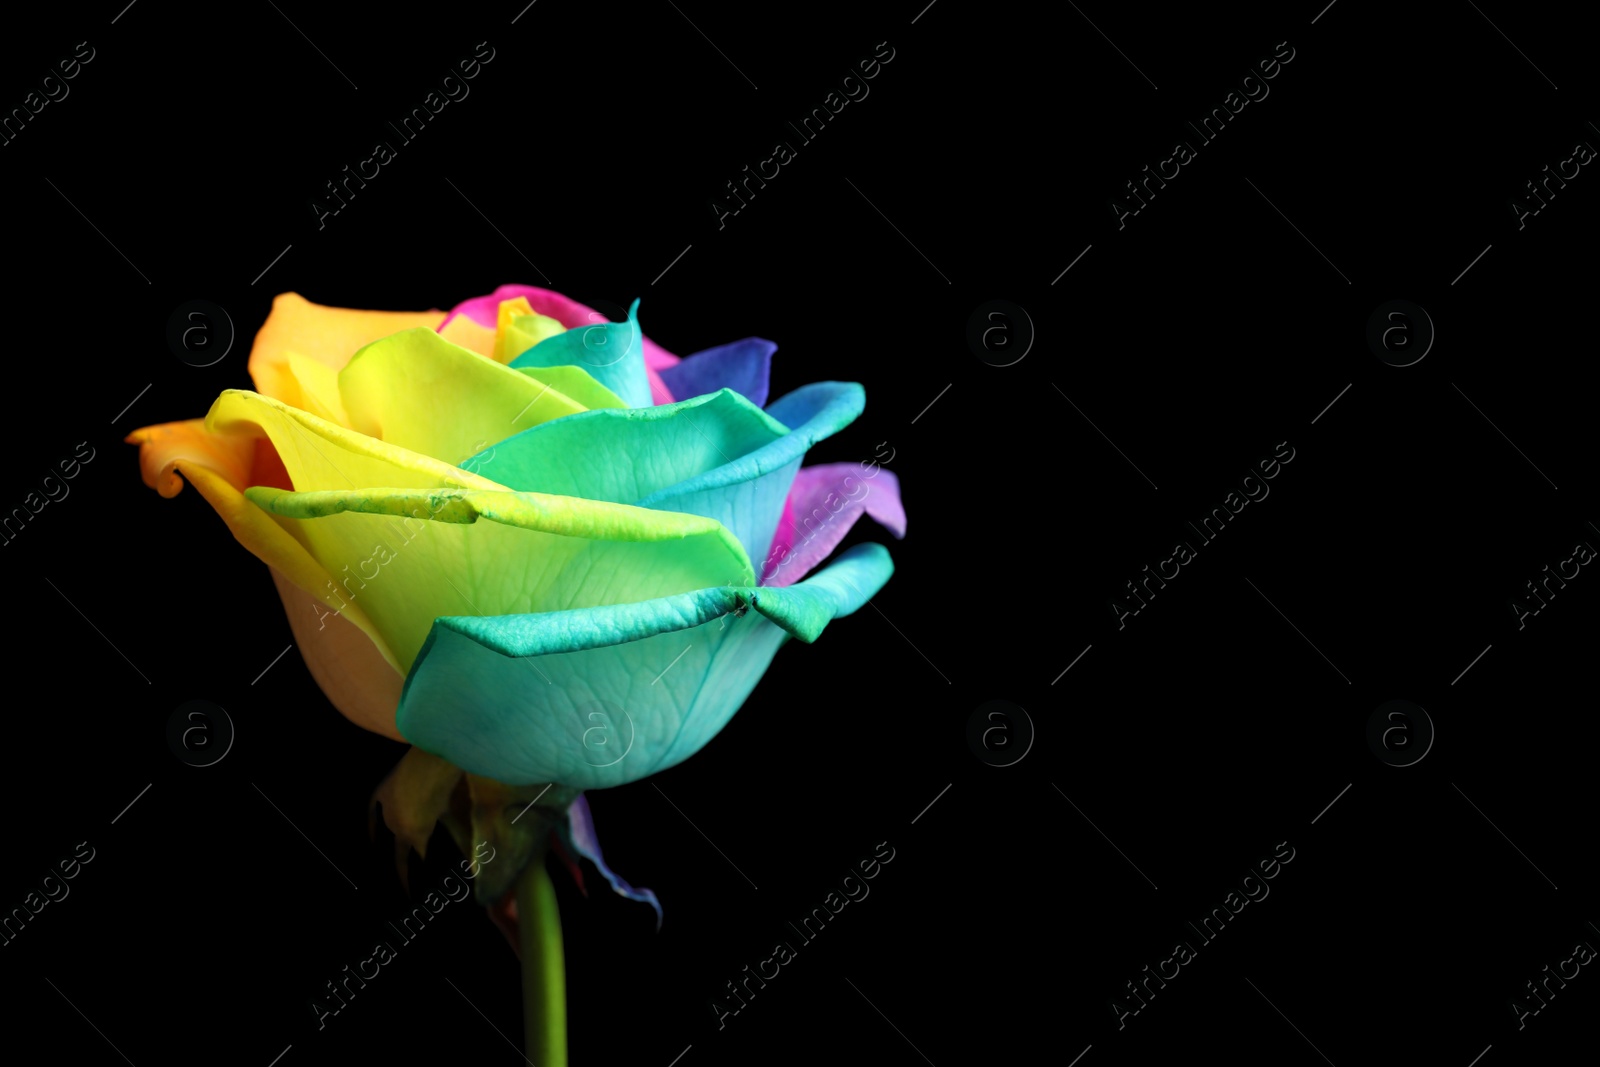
(598,697)
(626,454)
(576,383)
(409,555)
(417,390)
(716,455)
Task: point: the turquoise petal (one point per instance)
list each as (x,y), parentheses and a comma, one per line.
(597,697)
(612,353)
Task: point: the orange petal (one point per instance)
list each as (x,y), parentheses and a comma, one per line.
(220,467)
(163,447)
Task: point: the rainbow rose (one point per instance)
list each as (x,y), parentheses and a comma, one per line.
(525,539)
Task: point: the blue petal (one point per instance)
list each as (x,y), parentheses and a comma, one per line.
(743,366)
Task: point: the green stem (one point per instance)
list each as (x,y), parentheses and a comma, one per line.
(544,982)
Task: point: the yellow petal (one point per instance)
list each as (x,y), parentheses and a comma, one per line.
(518,328)
(328,335)
(319,388)
(321,455)
(417,390)
(462,331)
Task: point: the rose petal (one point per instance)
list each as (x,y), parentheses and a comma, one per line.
(660,677)
(518,328)
(318,454)
(465,332)
(576,383)
(414,796)
(781,539)
(535,553)
(417,390)
(566,552)
(217,465)
(319,389)
(609,352)
(828,499)
(624,454)
(747,493)
(344,661)
(659,393)
(327,335)
(485,311)
(716,455)
(743,366)
(164,447)
(580,837)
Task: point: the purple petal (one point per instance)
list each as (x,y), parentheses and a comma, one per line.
(824,502)
(580,835)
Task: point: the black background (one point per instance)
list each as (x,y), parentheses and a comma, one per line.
(1199,336)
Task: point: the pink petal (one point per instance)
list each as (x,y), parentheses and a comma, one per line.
(823,503)
(782,540)
(656,357)
(659,393)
